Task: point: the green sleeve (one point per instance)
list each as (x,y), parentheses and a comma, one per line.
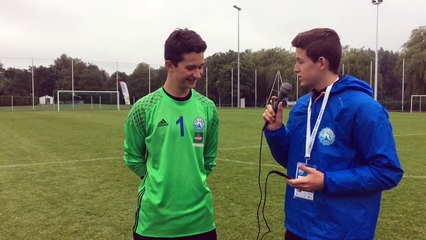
(210,150)
(134,141)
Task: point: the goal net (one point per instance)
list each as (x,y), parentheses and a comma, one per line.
(87,100)
(416,102)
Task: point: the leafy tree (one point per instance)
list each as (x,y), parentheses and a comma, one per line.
(219,76)
(88,76)
(414,52)
(390,87)
(357,62)
(45,78)
(158,77)
(19,81)
(62,70)
(111,82)
(267,62)
(138,82)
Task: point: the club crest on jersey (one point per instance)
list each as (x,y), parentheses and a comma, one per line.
(326,136)
(199,124)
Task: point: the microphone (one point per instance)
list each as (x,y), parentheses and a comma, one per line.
(285,90)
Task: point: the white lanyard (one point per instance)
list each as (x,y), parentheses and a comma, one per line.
(310,137)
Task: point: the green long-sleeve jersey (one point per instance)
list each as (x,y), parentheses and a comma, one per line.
(172,145)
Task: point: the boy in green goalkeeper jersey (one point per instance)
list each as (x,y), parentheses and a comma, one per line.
(171,138)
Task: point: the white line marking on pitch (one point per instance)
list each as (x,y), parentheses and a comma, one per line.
(411,176)
(111,158)
(247,163)
(410,134)
(236,148)
(273,165)
(57,162)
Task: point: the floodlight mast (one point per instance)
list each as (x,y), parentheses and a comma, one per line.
(238,67)
(376,2)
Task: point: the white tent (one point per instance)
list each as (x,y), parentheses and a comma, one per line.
(46,99)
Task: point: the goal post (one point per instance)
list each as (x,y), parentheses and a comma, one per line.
(420,101)
(88,100)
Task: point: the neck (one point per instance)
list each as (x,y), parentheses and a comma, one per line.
(174,90)
(326,81)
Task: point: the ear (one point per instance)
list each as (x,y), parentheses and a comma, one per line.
(169,65)
(323,63)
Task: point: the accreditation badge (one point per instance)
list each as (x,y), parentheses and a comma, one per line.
(299,174)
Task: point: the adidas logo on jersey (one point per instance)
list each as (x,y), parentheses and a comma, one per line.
(162,123)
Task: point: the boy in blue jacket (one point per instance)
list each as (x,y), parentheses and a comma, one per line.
(345,156)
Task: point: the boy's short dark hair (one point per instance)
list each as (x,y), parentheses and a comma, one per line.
(320,42)
(180,42)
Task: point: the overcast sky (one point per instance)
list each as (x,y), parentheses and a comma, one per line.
(133,31)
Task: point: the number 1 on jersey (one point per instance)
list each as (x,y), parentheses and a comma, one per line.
(180,121)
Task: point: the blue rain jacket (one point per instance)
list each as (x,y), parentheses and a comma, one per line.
(354,148)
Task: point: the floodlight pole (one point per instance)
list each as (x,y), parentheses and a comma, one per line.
(376,2)
(232,87)
(371,73)
(32,79)
(402,87)
(255,88)
(72,82)
(116,86)
(238,74)
(149,79)
(207,81)
(297,87)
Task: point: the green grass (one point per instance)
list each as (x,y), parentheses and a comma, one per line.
(62,177)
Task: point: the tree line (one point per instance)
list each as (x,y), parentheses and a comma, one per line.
(358,62)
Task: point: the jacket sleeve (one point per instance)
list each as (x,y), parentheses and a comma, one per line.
(134,142)
(375,146)
(278,144)
(210,149)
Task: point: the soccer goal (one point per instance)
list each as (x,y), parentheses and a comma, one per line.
(413,97)
(87,100)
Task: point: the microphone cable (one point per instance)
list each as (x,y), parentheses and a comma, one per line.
(261,192)
(259,237)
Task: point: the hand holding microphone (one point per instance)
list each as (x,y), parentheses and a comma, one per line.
(273,121)
(273,115)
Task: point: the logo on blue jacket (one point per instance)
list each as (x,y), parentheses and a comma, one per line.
(326,136)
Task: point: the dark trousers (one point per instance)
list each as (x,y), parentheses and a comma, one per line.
(291,236)
(204,236)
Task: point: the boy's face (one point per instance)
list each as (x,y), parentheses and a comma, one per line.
(309,72)
(187,71)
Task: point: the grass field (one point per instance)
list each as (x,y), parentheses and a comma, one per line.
(62,177)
